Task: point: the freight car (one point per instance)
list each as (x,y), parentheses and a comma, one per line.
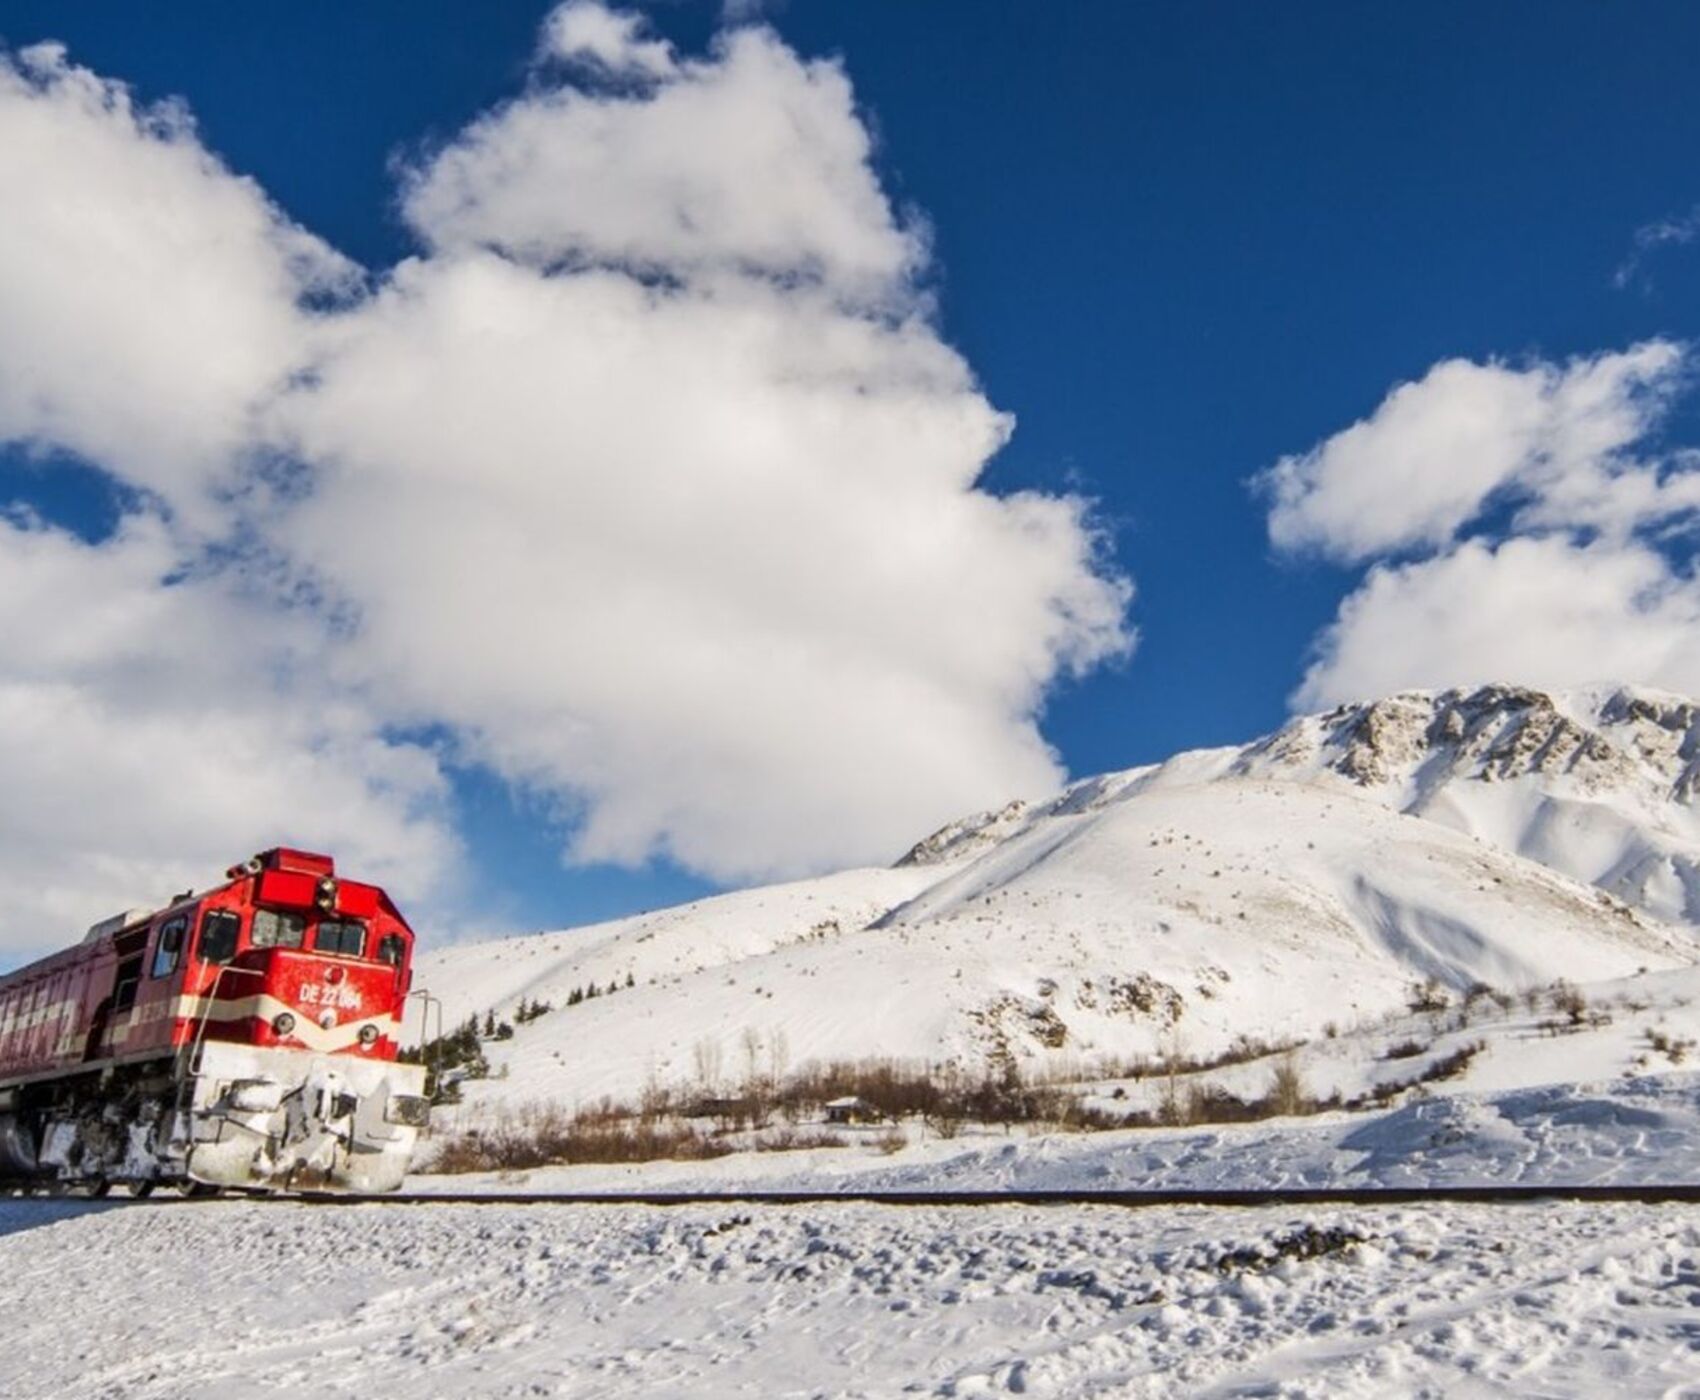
(245,1036)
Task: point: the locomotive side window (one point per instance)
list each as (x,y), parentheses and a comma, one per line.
(343,936)
(390,949)
(275,929)
(129,978)
(169,949)
(218,935)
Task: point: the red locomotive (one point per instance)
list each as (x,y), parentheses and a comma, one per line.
(244,1036)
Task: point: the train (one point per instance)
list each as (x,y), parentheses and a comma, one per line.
(246,1036)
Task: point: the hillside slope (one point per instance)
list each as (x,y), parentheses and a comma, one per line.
(1273,891)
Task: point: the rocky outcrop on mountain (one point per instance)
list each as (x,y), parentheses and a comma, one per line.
(1602,785)
(966,836)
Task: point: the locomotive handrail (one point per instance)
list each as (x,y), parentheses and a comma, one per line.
(185,1084)
(427,1001)
(207,1007)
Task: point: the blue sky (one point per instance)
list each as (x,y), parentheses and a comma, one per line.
(1176,242)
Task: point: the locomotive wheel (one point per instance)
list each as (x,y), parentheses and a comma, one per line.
(99,1186)
(200,1190)
(141,1190)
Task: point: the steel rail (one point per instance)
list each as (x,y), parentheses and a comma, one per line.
(1676,1193)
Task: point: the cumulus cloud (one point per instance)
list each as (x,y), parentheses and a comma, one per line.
(730,585)
(749,161)
(154,727)
(1544,611)
(649,484)
(1524,523)
(1435,452)
(148,297)
(606,39)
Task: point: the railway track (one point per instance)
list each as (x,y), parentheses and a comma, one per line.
(1125,1200)
(1671,1194)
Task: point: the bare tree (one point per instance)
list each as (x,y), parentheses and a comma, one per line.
(705,1055)
(1287,1091)
(751,1041)
(1175,1109)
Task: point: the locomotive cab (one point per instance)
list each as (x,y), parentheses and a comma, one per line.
(246,1036)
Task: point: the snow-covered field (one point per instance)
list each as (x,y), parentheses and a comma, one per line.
(1297,890)
(1634,1132)
(202,1302)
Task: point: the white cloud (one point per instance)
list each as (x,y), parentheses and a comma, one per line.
(749,161)
(1435,452)
(1660,233)
(650,482)
(1543,611)
(153,732)
(726,579)
(1573,581)
(580,32)
(148,297)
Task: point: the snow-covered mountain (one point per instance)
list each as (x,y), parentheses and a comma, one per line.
(1277,890)
(1600,785)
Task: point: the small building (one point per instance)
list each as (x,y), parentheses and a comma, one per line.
(852,1110)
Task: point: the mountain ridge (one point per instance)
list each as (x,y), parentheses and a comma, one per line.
(1629,754)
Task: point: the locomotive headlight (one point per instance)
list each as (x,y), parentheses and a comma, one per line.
(368,1036)
(283,1023)
(327,1018)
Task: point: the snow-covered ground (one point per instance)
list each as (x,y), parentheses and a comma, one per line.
(1635,1132)
(1291,890)
(202,1302)
(1596,1102)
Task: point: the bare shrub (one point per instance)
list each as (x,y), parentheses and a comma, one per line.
(1287,1092)
(1202,1102)
(1453,1065)
(551,1137)
(1428,995)
(1567,999)
(1448,1066)
(890,1141)
(1404,1050)
(797,1140)
(1674,1048)
(655,1101)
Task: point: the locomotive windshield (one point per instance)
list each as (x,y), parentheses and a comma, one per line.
(344,936)
(218,935)
(274,928)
